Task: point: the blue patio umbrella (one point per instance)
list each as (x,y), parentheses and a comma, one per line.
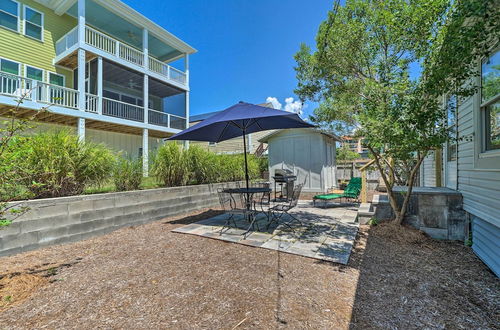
(239,120)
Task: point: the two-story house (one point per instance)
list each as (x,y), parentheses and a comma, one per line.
(104,69)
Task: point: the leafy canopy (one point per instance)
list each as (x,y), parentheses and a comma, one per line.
(361,71)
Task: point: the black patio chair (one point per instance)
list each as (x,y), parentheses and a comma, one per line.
(281,209)
(262,202)
(230,206)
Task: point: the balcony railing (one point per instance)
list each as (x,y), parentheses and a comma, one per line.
(67,41)
(121,50)
(91,103)
(38,91)
(156,117)
(123,110)
(167,71)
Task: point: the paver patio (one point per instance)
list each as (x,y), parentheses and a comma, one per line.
(325,233)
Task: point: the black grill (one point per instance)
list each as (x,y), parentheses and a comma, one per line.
(286,180)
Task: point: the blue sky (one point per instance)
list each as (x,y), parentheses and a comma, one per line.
(245,47)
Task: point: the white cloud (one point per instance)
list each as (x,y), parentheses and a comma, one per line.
(274,101)
(293,106)
(290,104)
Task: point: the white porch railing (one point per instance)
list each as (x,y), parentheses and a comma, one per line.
(67,41)
(121,50)
(121,109)
(62,96)
(131,55)
(15,85)
(41,92)
(160,118)
(91,102)
(100,40)
(38,91)
(177,75)
(156,117)
(177,122)
(167,71)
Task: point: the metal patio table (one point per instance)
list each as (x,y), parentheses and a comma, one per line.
(248,194)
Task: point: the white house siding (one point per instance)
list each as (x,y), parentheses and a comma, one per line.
(128,144)
(428,176)
(305,152)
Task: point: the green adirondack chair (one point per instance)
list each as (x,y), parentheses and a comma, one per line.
(351,192)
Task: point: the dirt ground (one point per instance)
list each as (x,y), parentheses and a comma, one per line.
(149,277)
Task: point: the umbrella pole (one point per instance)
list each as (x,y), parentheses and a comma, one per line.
(246,165)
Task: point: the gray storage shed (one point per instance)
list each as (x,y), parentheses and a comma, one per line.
(308,152)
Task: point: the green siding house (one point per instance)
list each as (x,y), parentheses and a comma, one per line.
(101,67)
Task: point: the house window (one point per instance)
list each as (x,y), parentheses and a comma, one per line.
(56,79)
(212,143)
(490,101)
(9,14)
(9,67)
(34,73)
(33,23)
(451,115)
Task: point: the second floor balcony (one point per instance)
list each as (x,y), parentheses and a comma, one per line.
(100,43)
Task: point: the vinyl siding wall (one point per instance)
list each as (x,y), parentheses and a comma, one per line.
(127,144)
(480,187)
(20,48)
(428,176)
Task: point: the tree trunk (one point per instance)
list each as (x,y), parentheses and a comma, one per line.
(411,180)
(399,212)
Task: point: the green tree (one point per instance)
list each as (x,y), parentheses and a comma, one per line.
(345,154)
(360,74)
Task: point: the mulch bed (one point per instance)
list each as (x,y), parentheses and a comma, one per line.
(147,276)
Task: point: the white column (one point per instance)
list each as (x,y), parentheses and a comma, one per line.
(145,152)
(81,22)
(145,47)
(145,98)
(99,85)
(80,127)
(186,70)
(81,79)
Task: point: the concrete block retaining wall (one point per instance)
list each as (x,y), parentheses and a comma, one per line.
(436,211)
(68,219)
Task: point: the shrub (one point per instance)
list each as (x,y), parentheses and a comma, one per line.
(263,164)
(127,174)
(232,167)
(174,166)
(57,164)
(203,165)
(170,165)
